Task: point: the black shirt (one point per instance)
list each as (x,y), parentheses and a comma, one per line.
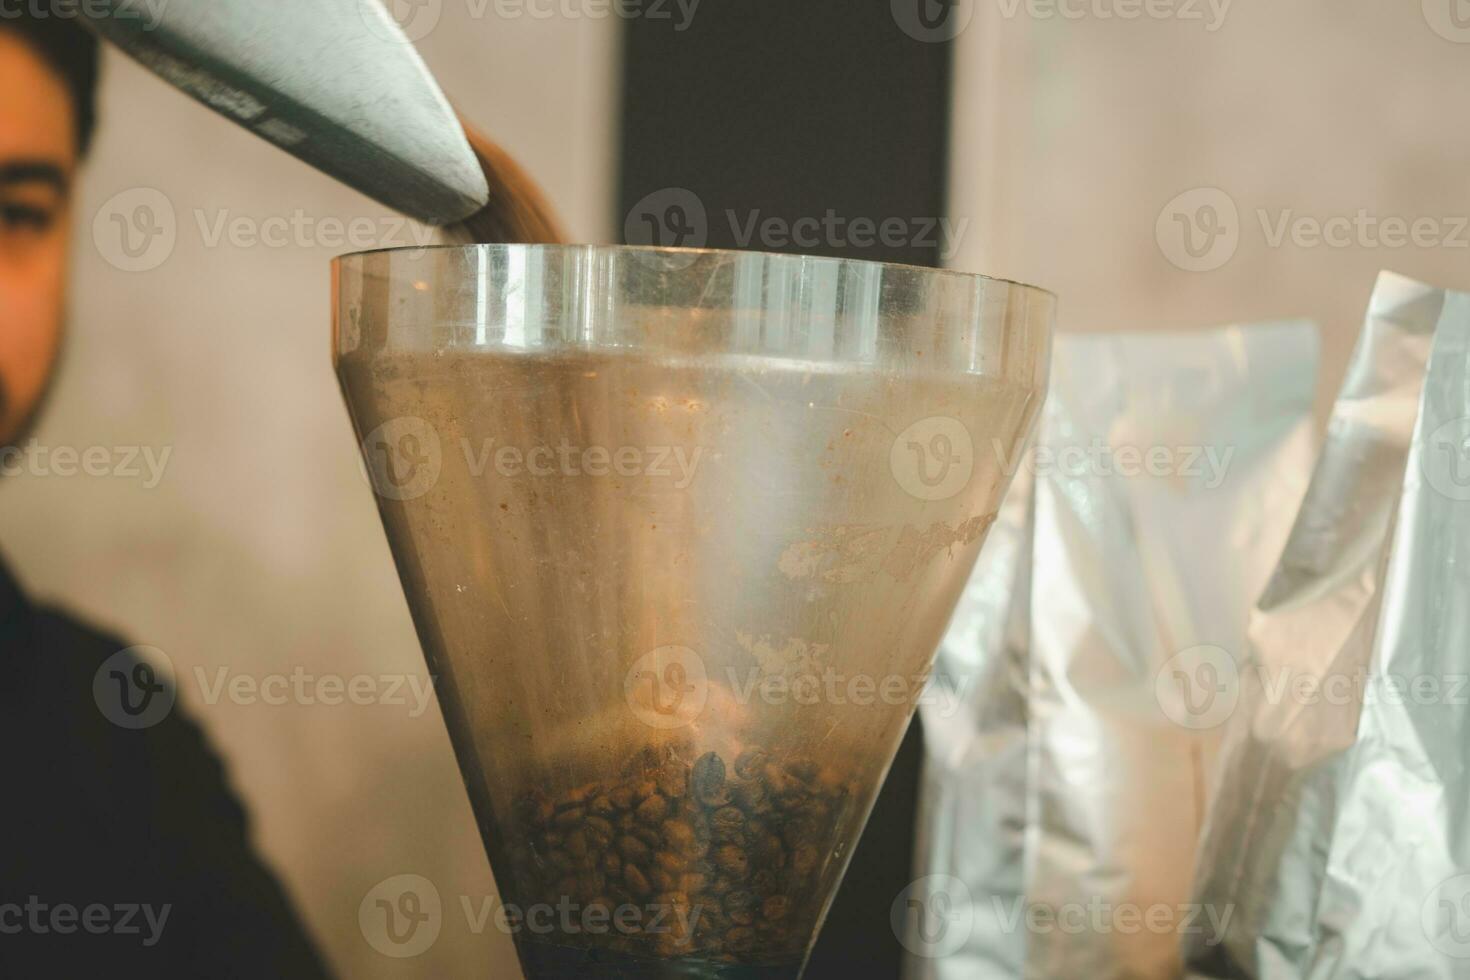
(123,852)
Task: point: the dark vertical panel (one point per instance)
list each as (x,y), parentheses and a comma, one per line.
(791,110)
(787,109)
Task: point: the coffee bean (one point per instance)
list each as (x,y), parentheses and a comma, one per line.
(731,859)
(740,907)
(599,832)
(734,847)
(750,763)
(637,880)
(804,859)
(673,780)
(707,780)
(653,810)
(680,836)
(634,850)
(570,817)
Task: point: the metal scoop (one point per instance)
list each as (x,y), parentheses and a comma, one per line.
(333,82)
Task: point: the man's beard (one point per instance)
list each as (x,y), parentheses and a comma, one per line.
(27,423)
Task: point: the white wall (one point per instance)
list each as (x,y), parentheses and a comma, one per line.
(1073,134)
(260,549)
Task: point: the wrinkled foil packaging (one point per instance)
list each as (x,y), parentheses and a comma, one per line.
(1069,741)
(1341,839)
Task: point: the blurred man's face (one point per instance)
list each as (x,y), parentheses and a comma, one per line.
(38,157)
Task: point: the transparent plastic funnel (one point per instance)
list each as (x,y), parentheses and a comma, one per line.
(680,531)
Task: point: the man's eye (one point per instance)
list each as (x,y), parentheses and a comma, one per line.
(15,216)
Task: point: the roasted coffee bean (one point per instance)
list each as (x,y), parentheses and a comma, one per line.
(707,781)
(636,880)
(802,768)
(731,860)
(749,795)
(750,763)
(599,832)
(653,810)
(727,818)
(680,836)
(634,850)
(673,780)
(740,907)
(644,760)
(580,795)
(734,847)
(570,817)
(671,861)
(767,850)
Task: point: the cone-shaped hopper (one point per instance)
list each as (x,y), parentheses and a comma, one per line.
(680,531)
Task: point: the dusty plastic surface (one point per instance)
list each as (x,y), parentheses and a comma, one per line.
(680,531)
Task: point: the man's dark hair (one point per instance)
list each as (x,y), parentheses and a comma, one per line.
(71,52)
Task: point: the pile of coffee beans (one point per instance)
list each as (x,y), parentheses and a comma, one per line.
(723,861)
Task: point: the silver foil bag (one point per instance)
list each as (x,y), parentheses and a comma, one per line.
(1068,751)
(1341,839)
